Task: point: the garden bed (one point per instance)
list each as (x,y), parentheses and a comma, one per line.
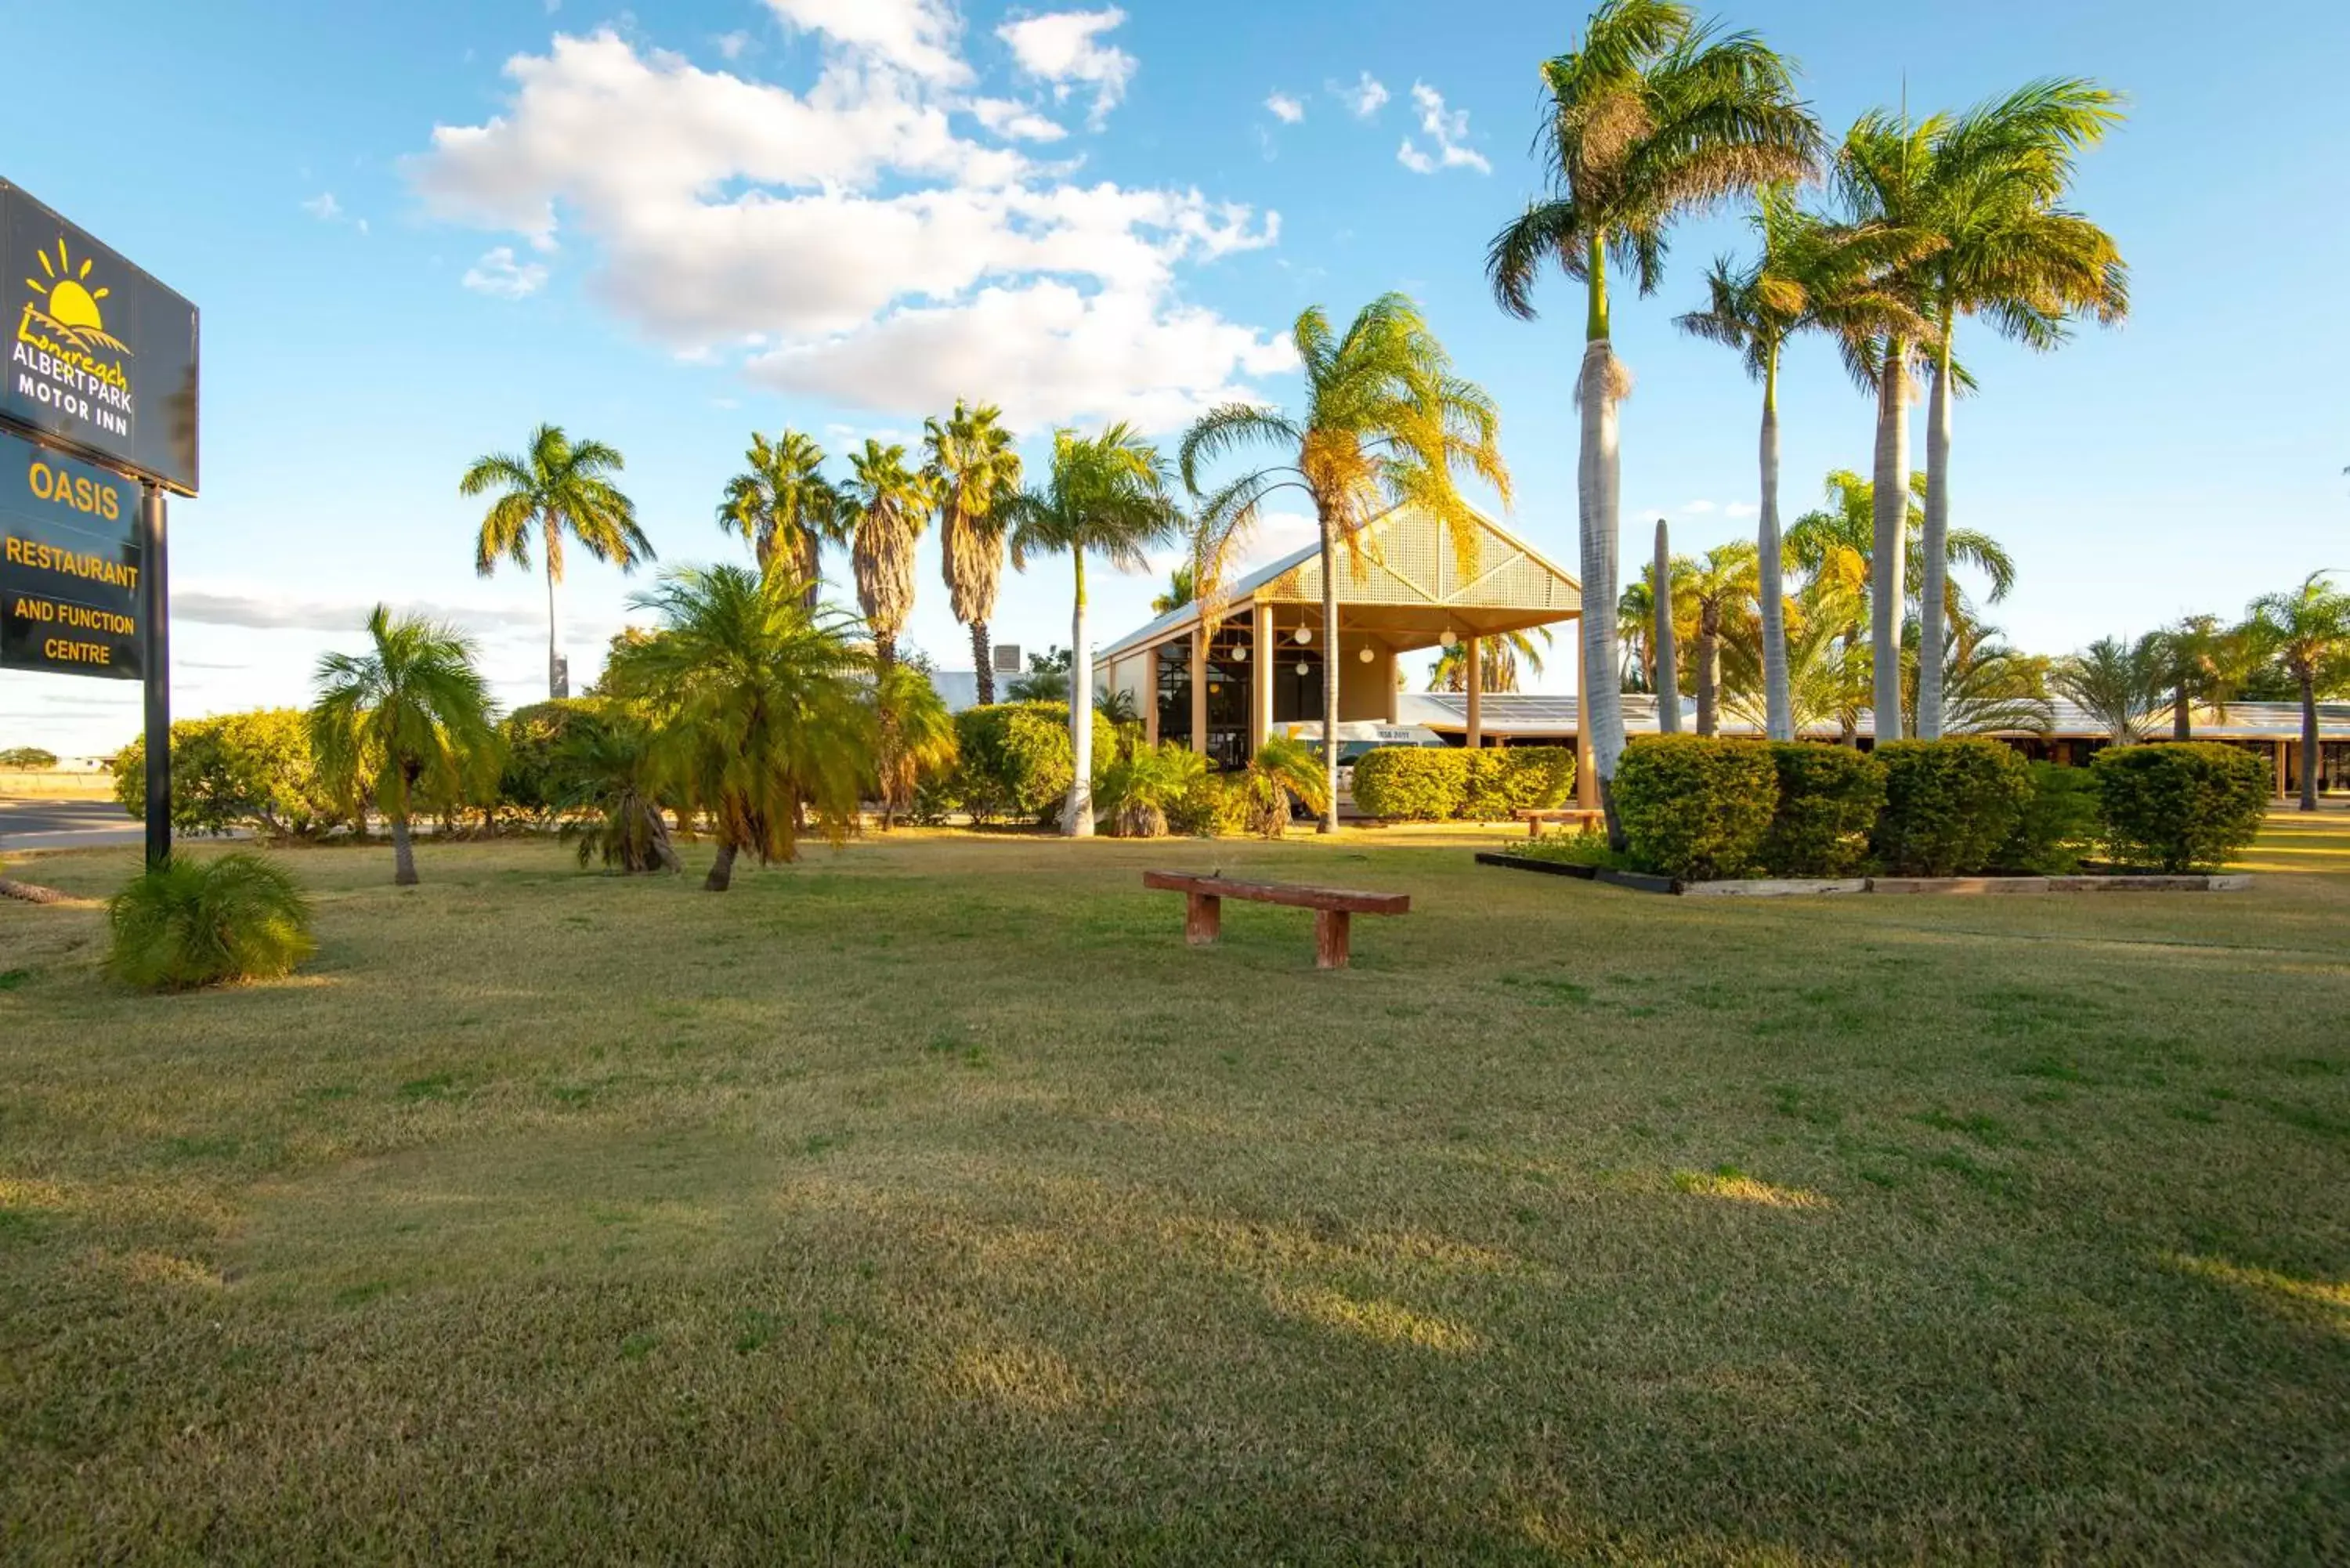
(1797,886)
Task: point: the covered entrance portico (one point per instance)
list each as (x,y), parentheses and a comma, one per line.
(1221,685)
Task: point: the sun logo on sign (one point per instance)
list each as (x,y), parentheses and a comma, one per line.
(72,311)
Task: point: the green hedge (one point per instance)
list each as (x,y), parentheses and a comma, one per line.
(1442,783)
(1014,760)
(2058,825)
(1949,805)
(1696,807)
(2181,806)
(1213,807)
(1829,798)
(249,770)
(1500,780)
(1411,784)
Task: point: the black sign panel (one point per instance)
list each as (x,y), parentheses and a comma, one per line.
(100,355)
(69,565)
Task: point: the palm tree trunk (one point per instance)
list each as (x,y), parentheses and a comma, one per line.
(2182,720)
(1708,664)
(1933,614)
(1667,677)
(403,853)
(1888,547)
(555,685)
(1597,482)
(1329,672)
(721,870)
(2309,756)
(1779,719)
(982,660)
(1077,817)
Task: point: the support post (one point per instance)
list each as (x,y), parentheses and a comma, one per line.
(1587,779)
(1204,918)
(1473,650)
(1333,935)
(2279,770)
(1262,658)
(155,611)
(1200,634)
(1150,657)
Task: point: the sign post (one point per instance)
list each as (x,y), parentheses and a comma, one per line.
(156,604)
(97,421)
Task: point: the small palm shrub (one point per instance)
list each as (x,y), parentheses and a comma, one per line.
(1696,807)
(1949,805)
(1829,797)
(2058,825)
(604,781)
(2180,806)
(194,922)
(1144,785)
(1283,769)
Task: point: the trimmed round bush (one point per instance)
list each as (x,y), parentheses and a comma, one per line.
(1696,807)
(2182,806)
(1502,779)
(2058,825)
(251,770)
(1016,761)
(1829,798)
(1211,807)
(1412,783)
(1949,805)
(197,922)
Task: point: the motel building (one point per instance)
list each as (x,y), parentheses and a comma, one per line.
(1258,669)
(1223,688)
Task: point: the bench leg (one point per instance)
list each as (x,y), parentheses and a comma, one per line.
(1203,919)
(1332,928)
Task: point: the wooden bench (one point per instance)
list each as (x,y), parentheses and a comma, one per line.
(1580,818)
(1334,908)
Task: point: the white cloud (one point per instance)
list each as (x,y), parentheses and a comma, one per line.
(1015,122)
(1285,108)
(1742,509)
(1449,129)
(1364,99)
(324,207)
(279,612)
(1699,508)
(845,241)
(916,36)
(731,45)
(1063,47)
(500,276)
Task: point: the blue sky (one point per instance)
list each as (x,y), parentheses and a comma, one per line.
(416,231)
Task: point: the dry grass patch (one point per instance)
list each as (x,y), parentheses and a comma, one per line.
(932,1201)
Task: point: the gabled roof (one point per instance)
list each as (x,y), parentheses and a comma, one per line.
(1410,576)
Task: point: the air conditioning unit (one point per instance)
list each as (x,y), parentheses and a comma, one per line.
(1007,659)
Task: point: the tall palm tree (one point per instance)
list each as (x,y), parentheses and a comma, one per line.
(1721,589)
(784,507)
(1183,587)
(1807,273)
(2007,252)
(1387,425)
(1989,687)
(1500,658)
(408,722)
(1665,576)
(2117,681)
(972,468)
(1652,116)
(888,505)
(759,708)
(1642,632)
(556,486)
(2309,630)
(1841,537)
(2205,660)
(1106,495)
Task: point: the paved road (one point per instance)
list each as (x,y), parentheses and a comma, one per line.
(65,823)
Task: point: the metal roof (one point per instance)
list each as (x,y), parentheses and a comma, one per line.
(1514,712)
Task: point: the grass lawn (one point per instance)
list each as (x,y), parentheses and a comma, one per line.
(930,1200)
